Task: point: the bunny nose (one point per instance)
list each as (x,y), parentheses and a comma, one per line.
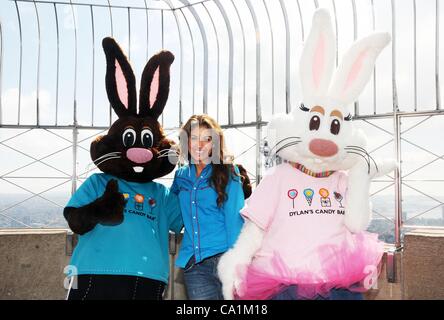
(139,155)
(323,148)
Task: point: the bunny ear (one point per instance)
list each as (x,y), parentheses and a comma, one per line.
(318,57)
(119,80)
(155,85)
(356,68)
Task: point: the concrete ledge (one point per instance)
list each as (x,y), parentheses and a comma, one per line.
(424,264)
(386,290)
(32,263)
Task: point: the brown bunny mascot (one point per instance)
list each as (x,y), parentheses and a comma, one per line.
(122,216)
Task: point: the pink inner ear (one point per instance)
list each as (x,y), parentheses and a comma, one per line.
(319,61)
(355,70)
(154,87)
(122,88)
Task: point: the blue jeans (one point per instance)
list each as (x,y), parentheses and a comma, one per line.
(202,281)
(290,293)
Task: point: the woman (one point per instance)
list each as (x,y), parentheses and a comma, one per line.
(210,190)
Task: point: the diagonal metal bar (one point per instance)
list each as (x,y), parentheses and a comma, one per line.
(419,147)
(422,213)
(15,136)
(380,190)
(49,155)
(423,166)
(382,216)
(381,146)
(13,219)
(378,127)
(79,146)
(33,194)
(37,160)
(245,134)
(417,124)
(35,177)
(423,193)
(244,152)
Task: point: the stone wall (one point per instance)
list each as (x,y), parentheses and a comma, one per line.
(32,263)
(424,264)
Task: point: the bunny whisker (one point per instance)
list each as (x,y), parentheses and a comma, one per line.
(289,144)
(165,151)
(109,158)
(279,142)
(116,153)
(168,154)
(360,154)
(360,149)
(272,156)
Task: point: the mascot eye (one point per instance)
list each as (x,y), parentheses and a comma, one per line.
(147,138)
(335,127)
(129,137)
(315,122)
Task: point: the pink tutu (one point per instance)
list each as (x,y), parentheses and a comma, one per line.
(353,265)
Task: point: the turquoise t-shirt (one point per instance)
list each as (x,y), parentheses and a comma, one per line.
(139,245)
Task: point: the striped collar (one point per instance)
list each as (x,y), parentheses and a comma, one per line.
(303,169)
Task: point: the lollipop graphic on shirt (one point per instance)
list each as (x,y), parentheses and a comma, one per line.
(325,200)
(292,194)
(309,193)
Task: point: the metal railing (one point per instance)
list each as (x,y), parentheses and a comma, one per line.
(235,60)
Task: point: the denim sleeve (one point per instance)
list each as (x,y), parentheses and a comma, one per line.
(232,207)
(175,186)
(172,208)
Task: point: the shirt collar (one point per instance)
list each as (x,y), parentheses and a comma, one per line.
(204,174)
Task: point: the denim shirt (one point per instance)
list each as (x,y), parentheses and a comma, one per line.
(209,229)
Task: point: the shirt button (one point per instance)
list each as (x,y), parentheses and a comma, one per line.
(197,247)
(194,217)
(195,232)
(192,202)
(194,188)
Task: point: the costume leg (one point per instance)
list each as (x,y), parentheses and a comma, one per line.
(116,287)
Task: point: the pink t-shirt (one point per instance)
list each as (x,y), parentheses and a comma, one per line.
(299,213)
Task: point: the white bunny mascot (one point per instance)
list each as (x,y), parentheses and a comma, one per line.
(304,236)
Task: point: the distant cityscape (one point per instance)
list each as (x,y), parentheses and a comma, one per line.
(39,213)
